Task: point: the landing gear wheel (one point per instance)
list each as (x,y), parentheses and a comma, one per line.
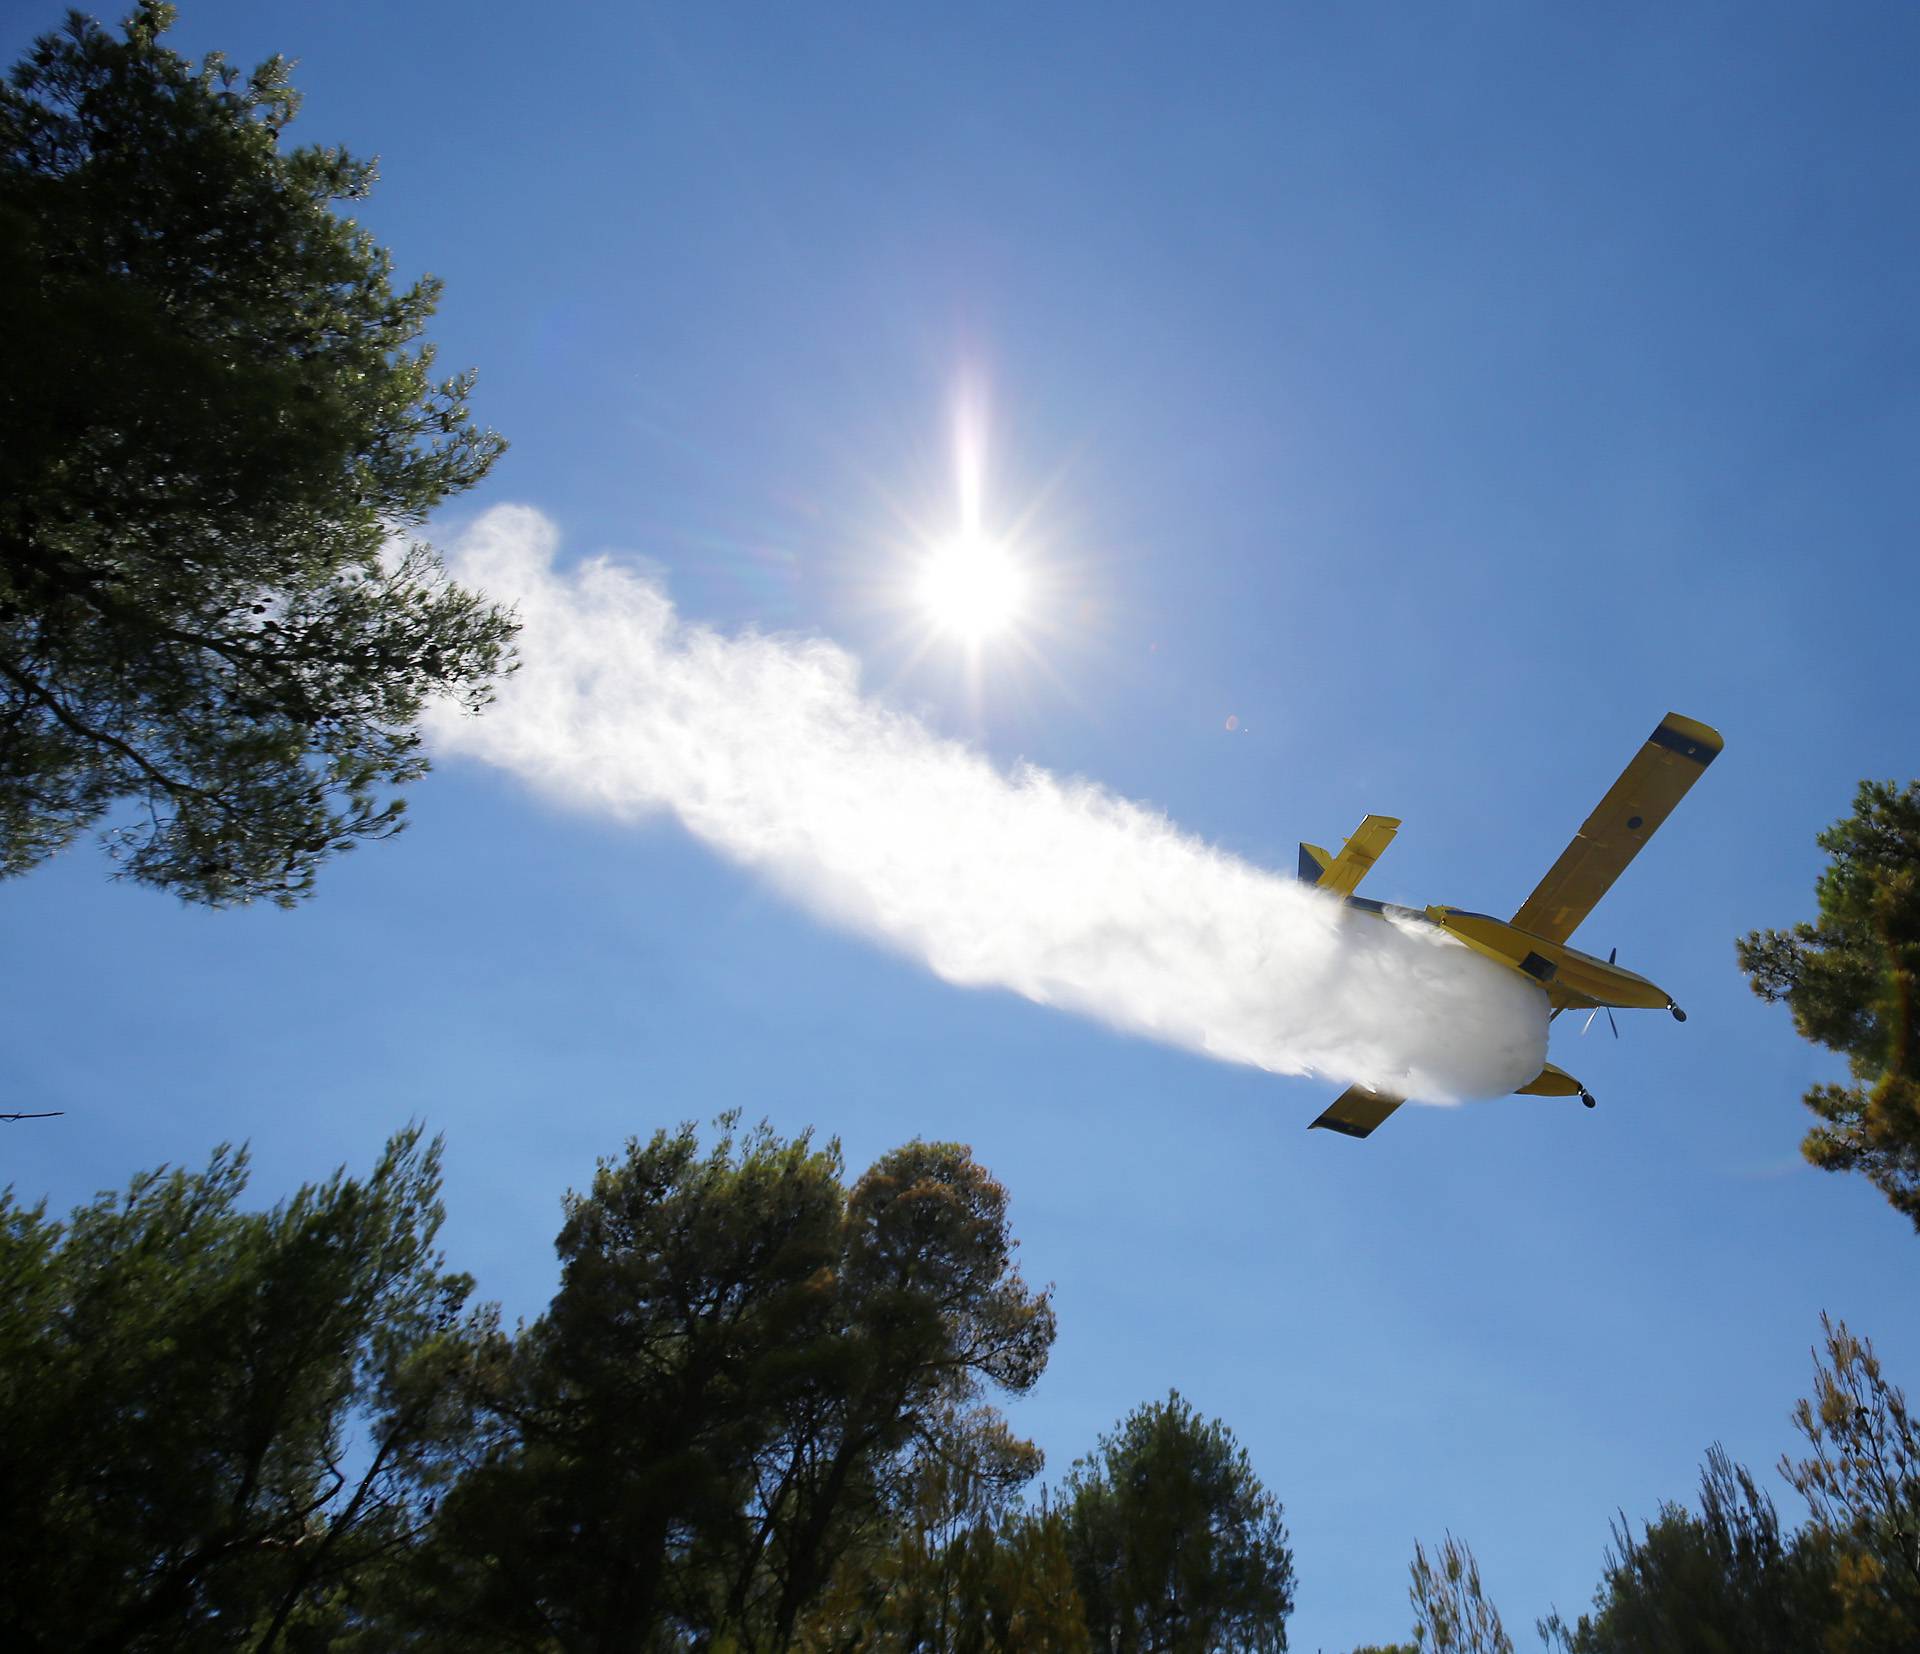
(1678,1014)
(1589,1099)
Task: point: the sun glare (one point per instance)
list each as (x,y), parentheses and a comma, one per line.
(973,588)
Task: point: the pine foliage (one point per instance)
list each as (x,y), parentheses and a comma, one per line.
(219,434)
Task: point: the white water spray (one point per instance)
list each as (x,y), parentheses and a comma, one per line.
(765,749)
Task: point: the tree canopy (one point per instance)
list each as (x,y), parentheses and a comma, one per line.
(218,432)
(1722,1581)
(218,1421)
(1850,980)
(1729,1578)
(729,1391)
(965,1568)
(1177,1548)
(757,1414)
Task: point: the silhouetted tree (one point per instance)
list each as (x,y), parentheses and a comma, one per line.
(216,428)
(1176,1545)
(741,1360)
(965,1571)
(218,1422)
(1850,980)
(1724,1581)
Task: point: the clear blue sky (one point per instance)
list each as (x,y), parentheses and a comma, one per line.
(1445,394)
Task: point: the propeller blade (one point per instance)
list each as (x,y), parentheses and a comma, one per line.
(1611,1023)
(1589,1022)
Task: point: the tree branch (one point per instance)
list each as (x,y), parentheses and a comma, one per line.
(87,732)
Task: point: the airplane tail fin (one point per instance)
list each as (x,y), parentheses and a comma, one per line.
(1341,874)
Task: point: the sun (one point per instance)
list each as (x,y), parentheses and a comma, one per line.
(973,587)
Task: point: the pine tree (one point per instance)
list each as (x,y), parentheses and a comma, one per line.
(218,434)
(1850,980)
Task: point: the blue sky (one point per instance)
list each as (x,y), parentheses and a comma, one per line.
(1443,397)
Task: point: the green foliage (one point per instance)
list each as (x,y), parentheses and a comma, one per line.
(754,1417)
(1451,1612)
(1862,1484)
(216,428)
(965,1570)
(728,1391)
(1849,980)
(1175,1544)
(1725,1581)
(218,1421)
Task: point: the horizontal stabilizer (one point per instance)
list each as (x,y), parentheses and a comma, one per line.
(1341,874)
(1357,1110)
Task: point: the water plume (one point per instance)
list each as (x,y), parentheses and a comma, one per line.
(766,749)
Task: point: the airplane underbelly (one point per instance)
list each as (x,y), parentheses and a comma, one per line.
(1571,978)
(1594,981)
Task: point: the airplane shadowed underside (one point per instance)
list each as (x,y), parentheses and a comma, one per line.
(1534,941)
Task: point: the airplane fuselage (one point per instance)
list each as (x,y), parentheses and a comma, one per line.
(1572,980)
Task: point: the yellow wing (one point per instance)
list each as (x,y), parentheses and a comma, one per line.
(1356,1111)
(1636,804)
(1342,874)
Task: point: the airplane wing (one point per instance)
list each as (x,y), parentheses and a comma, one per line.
(1636,804)
(1356,1111)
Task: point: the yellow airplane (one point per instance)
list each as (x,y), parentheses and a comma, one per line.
(1534,943)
